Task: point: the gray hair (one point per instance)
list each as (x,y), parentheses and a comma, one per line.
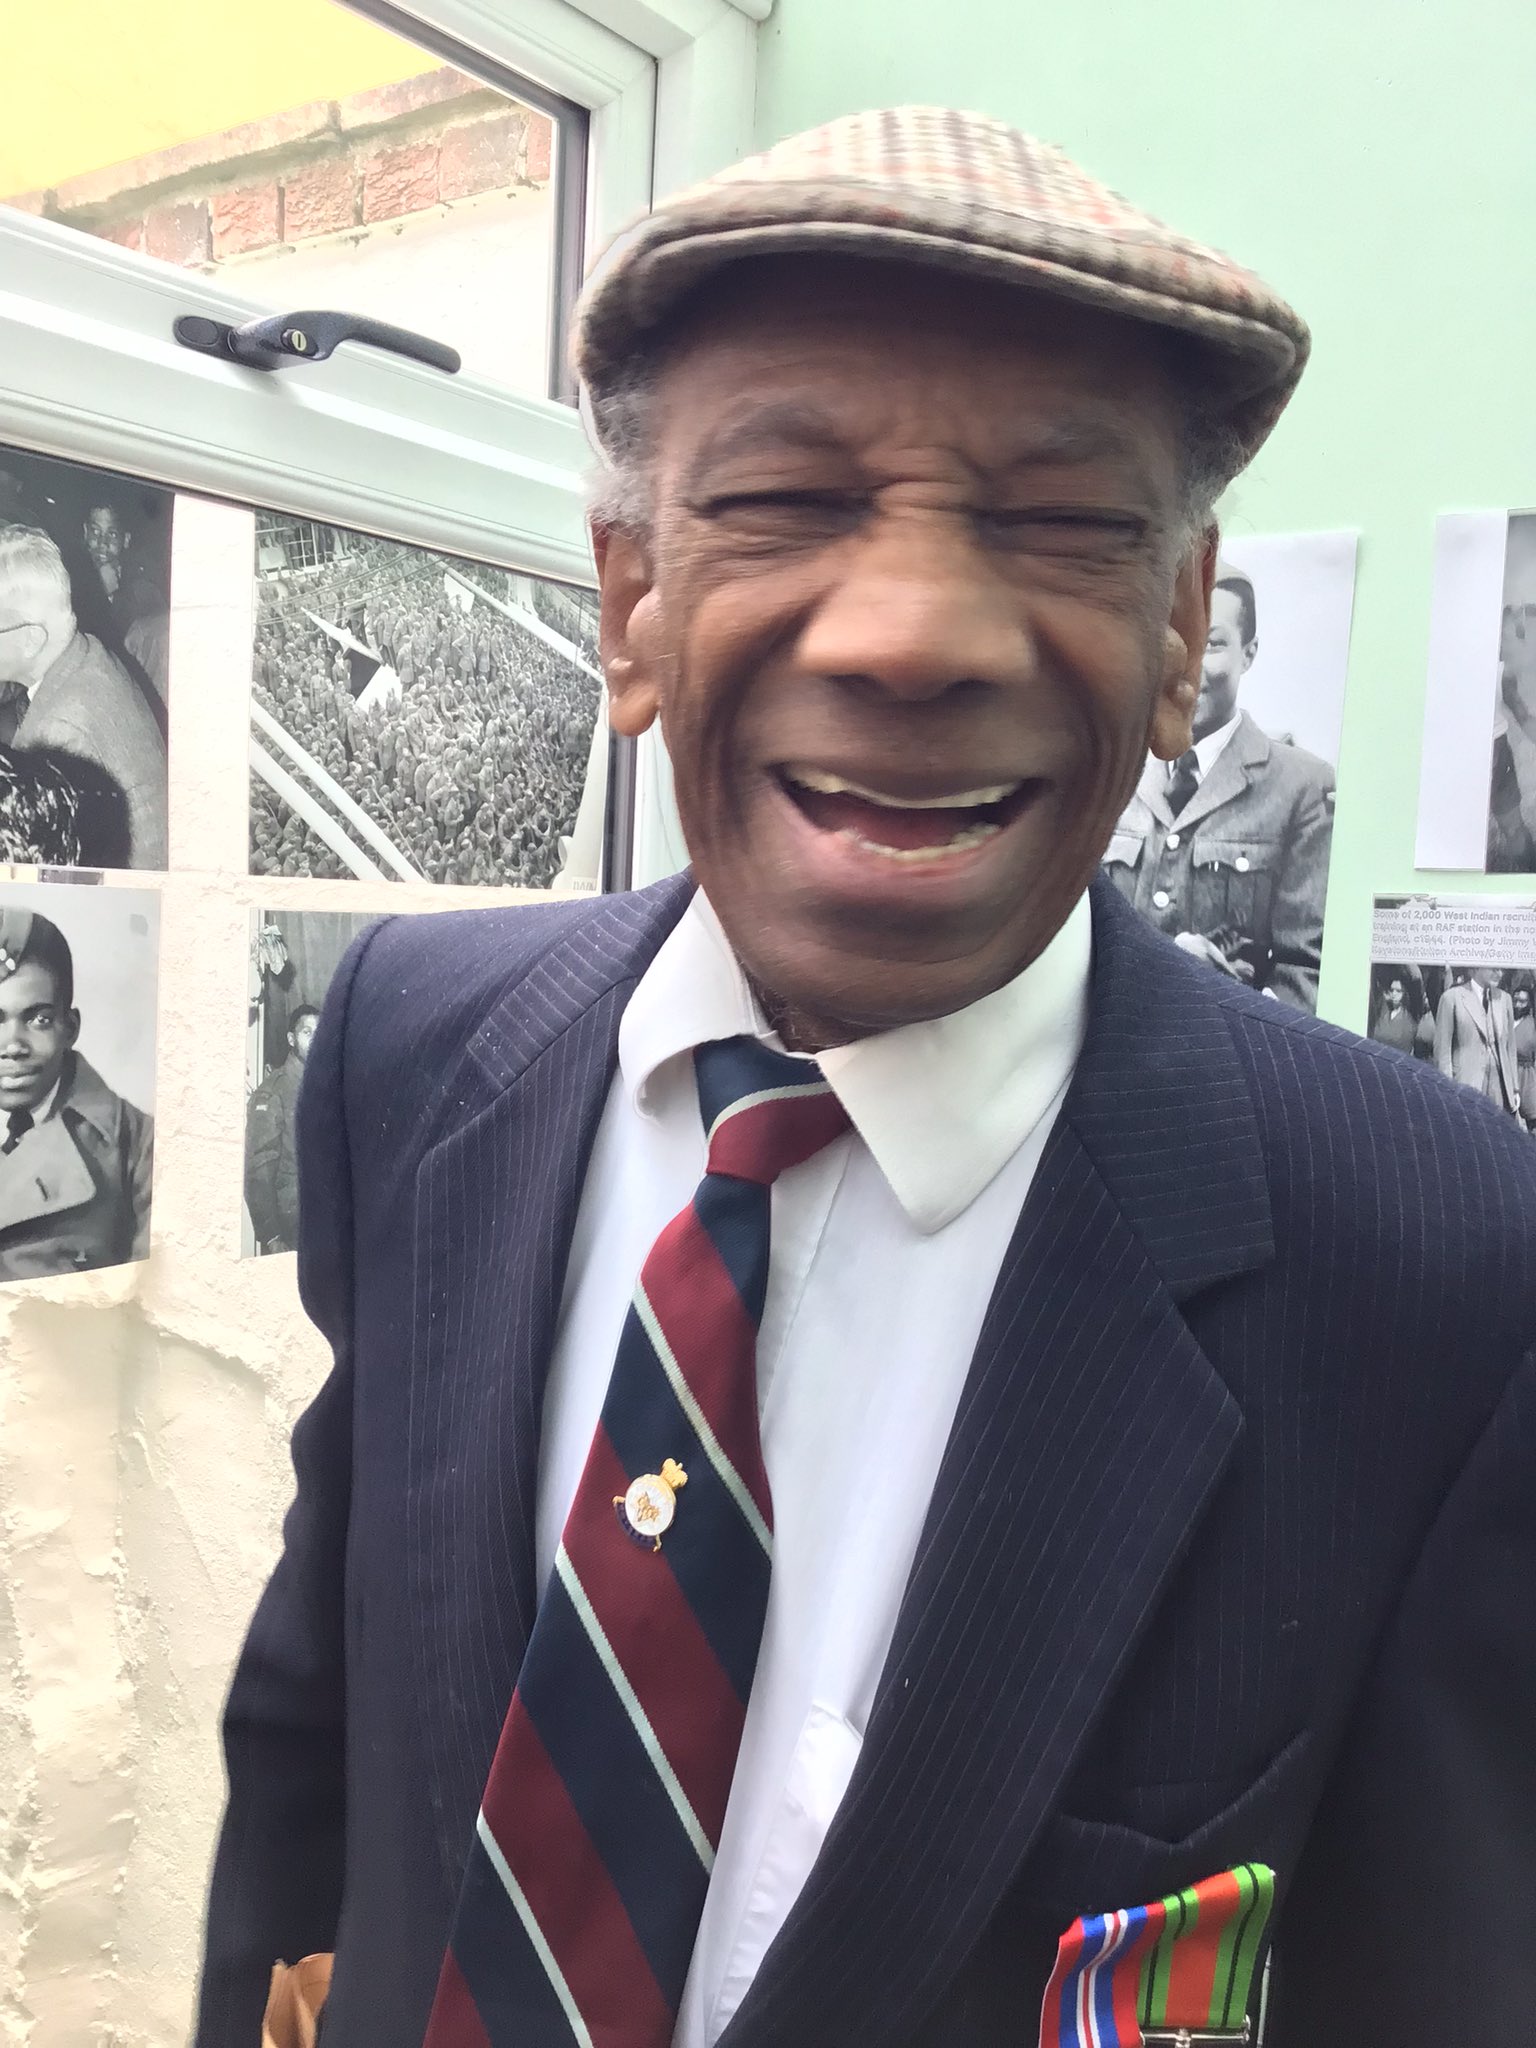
(622,423)
(33,579)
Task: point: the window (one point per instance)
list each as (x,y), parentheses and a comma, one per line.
(338,164)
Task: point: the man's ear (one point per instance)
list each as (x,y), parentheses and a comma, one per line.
(23,644)
(1189,624)
(72,1025)
(626,619)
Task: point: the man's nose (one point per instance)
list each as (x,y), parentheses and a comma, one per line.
(917,609)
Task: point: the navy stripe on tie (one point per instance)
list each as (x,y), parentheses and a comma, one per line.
(735,1214)
(517,2004)
(719,1563)
(729,1068)
(592,1743)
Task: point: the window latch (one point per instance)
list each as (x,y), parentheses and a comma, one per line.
(284,338)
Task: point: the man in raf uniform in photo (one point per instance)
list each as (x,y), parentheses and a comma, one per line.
(76,1160)
(271,1169)
(1227,847)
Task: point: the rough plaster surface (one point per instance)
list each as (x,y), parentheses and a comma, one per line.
(144,1420)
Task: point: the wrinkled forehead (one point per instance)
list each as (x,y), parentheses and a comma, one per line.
(799,353)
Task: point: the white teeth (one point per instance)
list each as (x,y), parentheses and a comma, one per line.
(823,784)
(974,835)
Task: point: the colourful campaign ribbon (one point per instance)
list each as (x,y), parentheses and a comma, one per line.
(1186,1961)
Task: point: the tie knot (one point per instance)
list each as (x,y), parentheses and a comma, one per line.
(763,1111)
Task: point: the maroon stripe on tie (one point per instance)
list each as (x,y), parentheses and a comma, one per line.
(570,1892)
(676,1675)
(766,1140)
(455,2022)
(706,1324)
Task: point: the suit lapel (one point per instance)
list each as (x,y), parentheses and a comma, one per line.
(1089,1438)
(496,1205)
(1234,768)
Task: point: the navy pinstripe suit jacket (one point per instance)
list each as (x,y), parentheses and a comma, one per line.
(1232,1553)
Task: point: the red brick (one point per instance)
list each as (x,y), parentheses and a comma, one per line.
(400,180)
(319,199)
(541,136)
(383,103)
(128,234)
(246,217)
(479,156)
(251,138)
(178,234)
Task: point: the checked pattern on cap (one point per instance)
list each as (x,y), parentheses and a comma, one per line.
(602,1812)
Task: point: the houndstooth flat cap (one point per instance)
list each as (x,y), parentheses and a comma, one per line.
(958,192)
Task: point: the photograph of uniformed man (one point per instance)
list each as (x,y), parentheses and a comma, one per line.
(294,954)
(76,1157)
(271,1169)
(1227,847)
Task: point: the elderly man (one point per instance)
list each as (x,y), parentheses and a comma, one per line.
(82,705)
(879,1408)
(1227,847)
(1475,1037)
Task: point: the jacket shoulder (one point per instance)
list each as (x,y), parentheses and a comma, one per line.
(420,989)
(1294,767)
(1407,1155)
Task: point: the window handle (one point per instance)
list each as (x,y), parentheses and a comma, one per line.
(284,338)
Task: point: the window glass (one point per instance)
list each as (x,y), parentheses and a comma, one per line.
(305,157)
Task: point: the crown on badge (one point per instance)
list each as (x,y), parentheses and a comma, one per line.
(15,933)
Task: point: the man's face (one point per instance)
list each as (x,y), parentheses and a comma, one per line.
(1487,977)
(105,540)
(302,1037)
(1521,998)
(1395,994)
(911,615)
(36,1032)
(1228,658)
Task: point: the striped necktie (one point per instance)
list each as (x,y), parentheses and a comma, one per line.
(602,1812)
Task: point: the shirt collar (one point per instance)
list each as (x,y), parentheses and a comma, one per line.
(1209,750)
(942,1105)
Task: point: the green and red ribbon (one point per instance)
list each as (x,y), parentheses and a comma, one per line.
(1185,1961)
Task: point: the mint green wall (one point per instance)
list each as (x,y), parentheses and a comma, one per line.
(1375,160)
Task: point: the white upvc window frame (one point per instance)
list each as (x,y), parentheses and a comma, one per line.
(90,372)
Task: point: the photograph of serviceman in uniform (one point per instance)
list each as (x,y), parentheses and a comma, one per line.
(1227,847)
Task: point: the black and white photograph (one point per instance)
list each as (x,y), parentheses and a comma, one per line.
(418,717)
(1453,981)
(1227,848)
(1477,790)
(294,954)
(78,973)
(85,581)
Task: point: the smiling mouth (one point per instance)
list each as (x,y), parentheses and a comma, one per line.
(910,830)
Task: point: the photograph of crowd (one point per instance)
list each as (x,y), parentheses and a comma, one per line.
(416,715)
(78,969)
(85,579)
(294,954)
(1227,848)
(1476,1022)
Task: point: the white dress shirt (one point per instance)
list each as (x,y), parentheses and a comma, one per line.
(1210,750)
(885,1248)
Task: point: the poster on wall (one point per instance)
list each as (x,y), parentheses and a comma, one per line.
(418,717)
(1227,849)
(85,581)
(1453,981)
(1477,790)
(78,973)
(294,955)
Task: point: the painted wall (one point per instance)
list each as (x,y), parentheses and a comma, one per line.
(1376,162)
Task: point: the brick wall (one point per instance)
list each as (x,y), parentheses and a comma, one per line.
(334,167)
